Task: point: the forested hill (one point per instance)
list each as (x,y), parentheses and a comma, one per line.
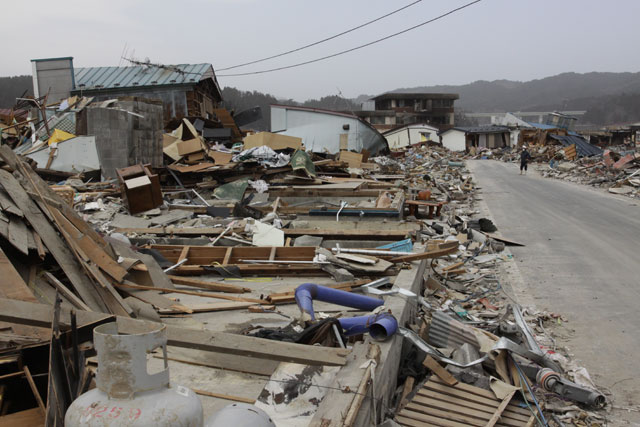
(608,98)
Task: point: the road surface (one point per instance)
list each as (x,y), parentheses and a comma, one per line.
(582,260)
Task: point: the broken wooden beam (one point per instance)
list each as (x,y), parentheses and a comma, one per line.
(442,250)
(35,314)
(211,286)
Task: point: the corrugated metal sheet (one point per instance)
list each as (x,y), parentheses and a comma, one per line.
(447,332)
(140,75)
(582,146)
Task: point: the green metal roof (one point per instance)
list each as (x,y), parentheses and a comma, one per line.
(141,76)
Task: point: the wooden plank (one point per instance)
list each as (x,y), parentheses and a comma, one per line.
(336,403)
(430,363)
(212,286)
(54,243)
(39,246)
(447,415)
(406,389)
(282,297)
(34,390)
(361,393)
(161,302)
(209,307)
(496,416)
(429,403)
(463,403)
(13,286)
(8,206)
(443,250)
(66,292)
(227,256)
(469,389)
(231,362)
(417,416)
(445,389)
(30,417)
(221,342)
(184,253)
(404,421)
(224,396)
(91,249)
(199,294)
(37,185)
(18,234)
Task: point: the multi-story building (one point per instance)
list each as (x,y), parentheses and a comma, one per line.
(391,110)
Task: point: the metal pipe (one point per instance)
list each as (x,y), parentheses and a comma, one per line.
(176,265)
(553,382)
(306,293)
(266,261)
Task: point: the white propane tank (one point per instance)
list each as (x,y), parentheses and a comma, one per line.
(126,394)
(239,415)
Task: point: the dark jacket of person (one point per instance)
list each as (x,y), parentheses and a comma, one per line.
(525,156)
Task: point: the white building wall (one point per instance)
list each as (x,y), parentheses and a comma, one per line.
(410,135)
(320,132)
(454,140)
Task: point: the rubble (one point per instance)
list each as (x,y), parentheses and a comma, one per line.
(250,249)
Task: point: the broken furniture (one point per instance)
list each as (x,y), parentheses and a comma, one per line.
(140,188)
(434,207)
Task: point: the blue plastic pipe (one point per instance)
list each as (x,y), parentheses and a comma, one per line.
(307,292)
(380,326)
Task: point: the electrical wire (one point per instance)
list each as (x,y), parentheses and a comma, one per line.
(406,30)
(523,380)
(323,40)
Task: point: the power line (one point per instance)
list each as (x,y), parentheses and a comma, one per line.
(323,40)
(353,48)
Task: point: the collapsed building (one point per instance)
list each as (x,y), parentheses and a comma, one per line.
(294,277)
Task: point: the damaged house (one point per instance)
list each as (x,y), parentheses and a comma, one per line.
(390,110)
(186,90)
(475,137)
(326,130)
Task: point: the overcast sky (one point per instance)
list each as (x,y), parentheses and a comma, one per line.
(494,39)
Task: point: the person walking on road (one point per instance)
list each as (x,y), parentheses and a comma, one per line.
(524,159)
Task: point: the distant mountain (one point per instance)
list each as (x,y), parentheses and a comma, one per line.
(239,100)
(556,91)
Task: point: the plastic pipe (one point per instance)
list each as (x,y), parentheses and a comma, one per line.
(380,326)
(306,293)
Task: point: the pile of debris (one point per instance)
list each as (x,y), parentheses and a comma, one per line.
(244,250)
(616,169)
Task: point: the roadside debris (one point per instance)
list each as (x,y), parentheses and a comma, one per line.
(249,250)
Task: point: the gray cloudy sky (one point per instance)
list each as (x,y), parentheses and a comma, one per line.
(494,39)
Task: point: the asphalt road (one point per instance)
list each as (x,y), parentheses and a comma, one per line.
(582,260)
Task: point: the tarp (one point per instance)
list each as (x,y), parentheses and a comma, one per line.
(59,136)
(582,146)
(301,160)
(232,191)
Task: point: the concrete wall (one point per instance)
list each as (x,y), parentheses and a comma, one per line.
(454,140)
(320,132)
(125,139)
(174,99)
(53,76)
